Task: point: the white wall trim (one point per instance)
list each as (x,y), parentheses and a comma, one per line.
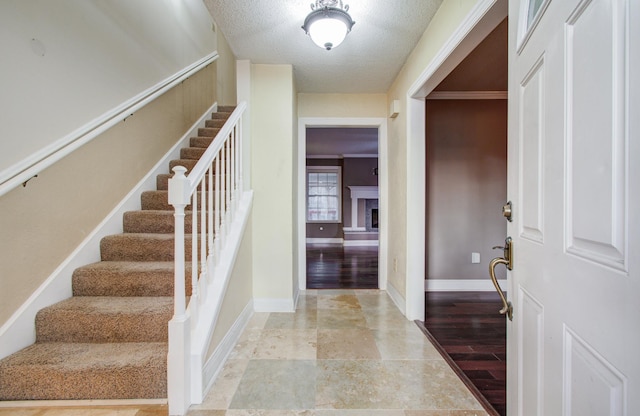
(361,243)
(325,241)
(478,23)
(217,360)
(360,156)
(325,157)
(398,299)
(461,285)
(274,305)
(47,156)
(381,124)
(19,330)
(468,95)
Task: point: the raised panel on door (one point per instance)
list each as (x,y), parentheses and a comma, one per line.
(596,135)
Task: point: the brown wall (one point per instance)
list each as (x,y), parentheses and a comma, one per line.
(466,185)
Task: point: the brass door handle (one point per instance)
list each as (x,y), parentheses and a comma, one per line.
(507,260)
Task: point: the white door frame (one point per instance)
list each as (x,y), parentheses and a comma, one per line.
(381,125)
(480,21)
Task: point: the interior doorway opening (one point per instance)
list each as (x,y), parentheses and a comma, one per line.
(363,159)
(341,194)
(466,186)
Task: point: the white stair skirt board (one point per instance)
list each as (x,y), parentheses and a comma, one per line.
(461,285)
(215,364)
(19,331)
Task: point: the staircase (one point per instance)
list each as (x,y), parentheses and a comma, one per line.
(109,341)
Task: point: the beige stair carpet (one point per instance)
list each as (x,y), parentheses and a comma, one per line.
(109,341)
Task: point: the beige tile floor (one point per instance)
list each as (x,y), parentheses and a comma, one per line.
(343,352)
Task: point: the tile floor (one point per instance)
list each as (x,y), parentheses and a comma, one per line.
(343,352)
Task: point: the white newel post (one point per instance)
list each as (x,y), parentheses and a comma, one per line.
(178,374)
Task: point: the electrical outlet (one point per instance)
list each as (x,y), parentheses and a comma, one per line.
(395,265)
(475,258)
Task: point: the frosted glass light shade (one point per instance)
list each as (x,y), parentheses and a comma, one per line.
(328,32)
(328,26)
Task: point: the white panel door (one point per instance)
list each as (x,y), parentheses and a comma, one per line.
(574,179)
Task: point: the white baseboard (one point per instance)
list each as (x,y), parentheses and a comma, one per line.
(274,305)
(19,330)
(214,365)
(461,285)
(397,298)
(361,243)
(324,240)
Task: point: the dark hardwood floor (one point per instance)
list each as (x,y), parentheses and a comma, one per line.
(338,267)
(469,329)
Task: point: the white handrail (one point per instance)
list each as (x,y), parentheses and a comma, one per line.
(24,170)
(214,177)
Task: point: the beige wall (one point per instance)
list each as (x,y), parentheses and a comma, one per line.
(446,20)
(342,105)
(272,119)
(87,58)
(226,64)
(466,185)
(45,221)
(239,291)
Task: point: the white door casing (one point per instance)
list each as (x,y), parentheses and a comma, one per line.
(573,153)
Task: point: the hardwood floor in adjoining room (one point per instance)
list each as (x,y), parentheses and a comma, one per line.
(338,267)
(469,329)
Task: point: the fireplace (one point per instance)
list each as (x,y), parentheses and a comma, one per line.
(364,217)
(368,195)
(371,214)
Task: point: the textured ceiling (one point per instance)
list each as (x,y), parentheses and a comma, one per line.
(269,32)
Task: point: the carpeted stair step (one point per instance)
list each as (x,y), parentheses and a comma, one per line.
(162,181)
(208,131)
(152,221)
(226,108)
(192,152)
(214,123)
(109,341)
(127,278)
(140,247)
(105,319)
(187,163)
(159,201)
(61,371)
(220,115)
(200,141)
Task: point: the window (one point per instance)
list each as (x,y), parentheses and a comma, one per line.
(324,185)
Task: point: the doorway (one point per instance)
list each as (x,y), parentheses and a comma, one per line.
(466,185)
(342,202)
(380,126)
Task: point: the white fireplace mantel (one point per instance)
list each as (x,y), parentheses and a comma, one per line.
(360,192)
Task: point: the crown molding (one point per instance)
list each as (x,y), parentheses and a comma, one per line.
(468,95)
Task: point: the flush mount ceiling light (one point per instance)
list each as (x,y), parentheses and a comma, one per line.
(328,23)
